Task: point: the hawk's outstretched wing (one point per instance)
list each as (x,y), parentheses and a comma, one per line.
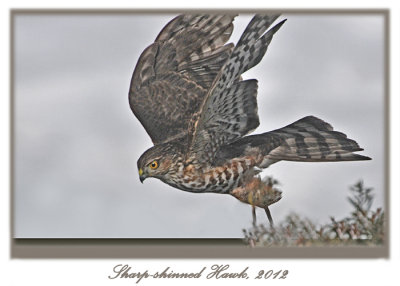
(230,108)
(173,74)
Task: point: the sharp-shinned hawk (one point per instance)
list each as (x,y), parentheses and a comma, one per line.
(188,93)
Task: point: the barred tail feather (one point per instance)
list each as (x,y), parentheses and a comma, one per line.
(312,140)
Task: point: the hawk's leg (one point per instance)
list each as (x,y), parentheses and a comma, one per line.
(258,193)
(269,216)
(267,211)
(253,212)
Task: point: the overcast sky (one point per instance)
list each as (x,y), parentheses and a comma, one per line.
(77,141)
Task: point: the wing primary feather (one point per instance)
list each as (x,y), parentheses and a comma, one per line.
(172,76)
(212,128)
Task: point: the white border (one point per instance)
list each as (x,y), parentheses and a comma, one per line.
(95,272)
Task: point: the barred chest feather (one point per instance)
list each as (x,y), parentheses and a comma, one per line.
(219,179)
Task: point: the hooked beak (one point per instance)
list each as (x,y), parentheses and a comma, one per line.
(141,176)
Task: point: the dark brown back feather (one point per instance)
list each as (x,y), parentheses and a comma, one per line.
(173,74)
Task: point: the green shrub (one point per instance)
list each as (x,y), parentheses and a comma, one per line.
(362,226)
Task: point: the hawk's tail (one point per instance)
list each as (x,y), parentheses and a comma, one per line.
(309,140)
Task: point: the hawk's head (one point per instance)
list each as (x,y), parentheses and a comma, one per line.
(156,161)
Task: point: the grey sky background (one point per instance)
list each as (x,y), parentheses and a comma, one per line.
(77,141)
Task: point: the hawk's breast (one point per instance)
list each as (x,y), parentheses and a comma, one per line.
(219,179)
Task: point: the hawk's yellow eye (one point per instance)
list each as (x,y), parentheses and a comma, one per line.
(154,165)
